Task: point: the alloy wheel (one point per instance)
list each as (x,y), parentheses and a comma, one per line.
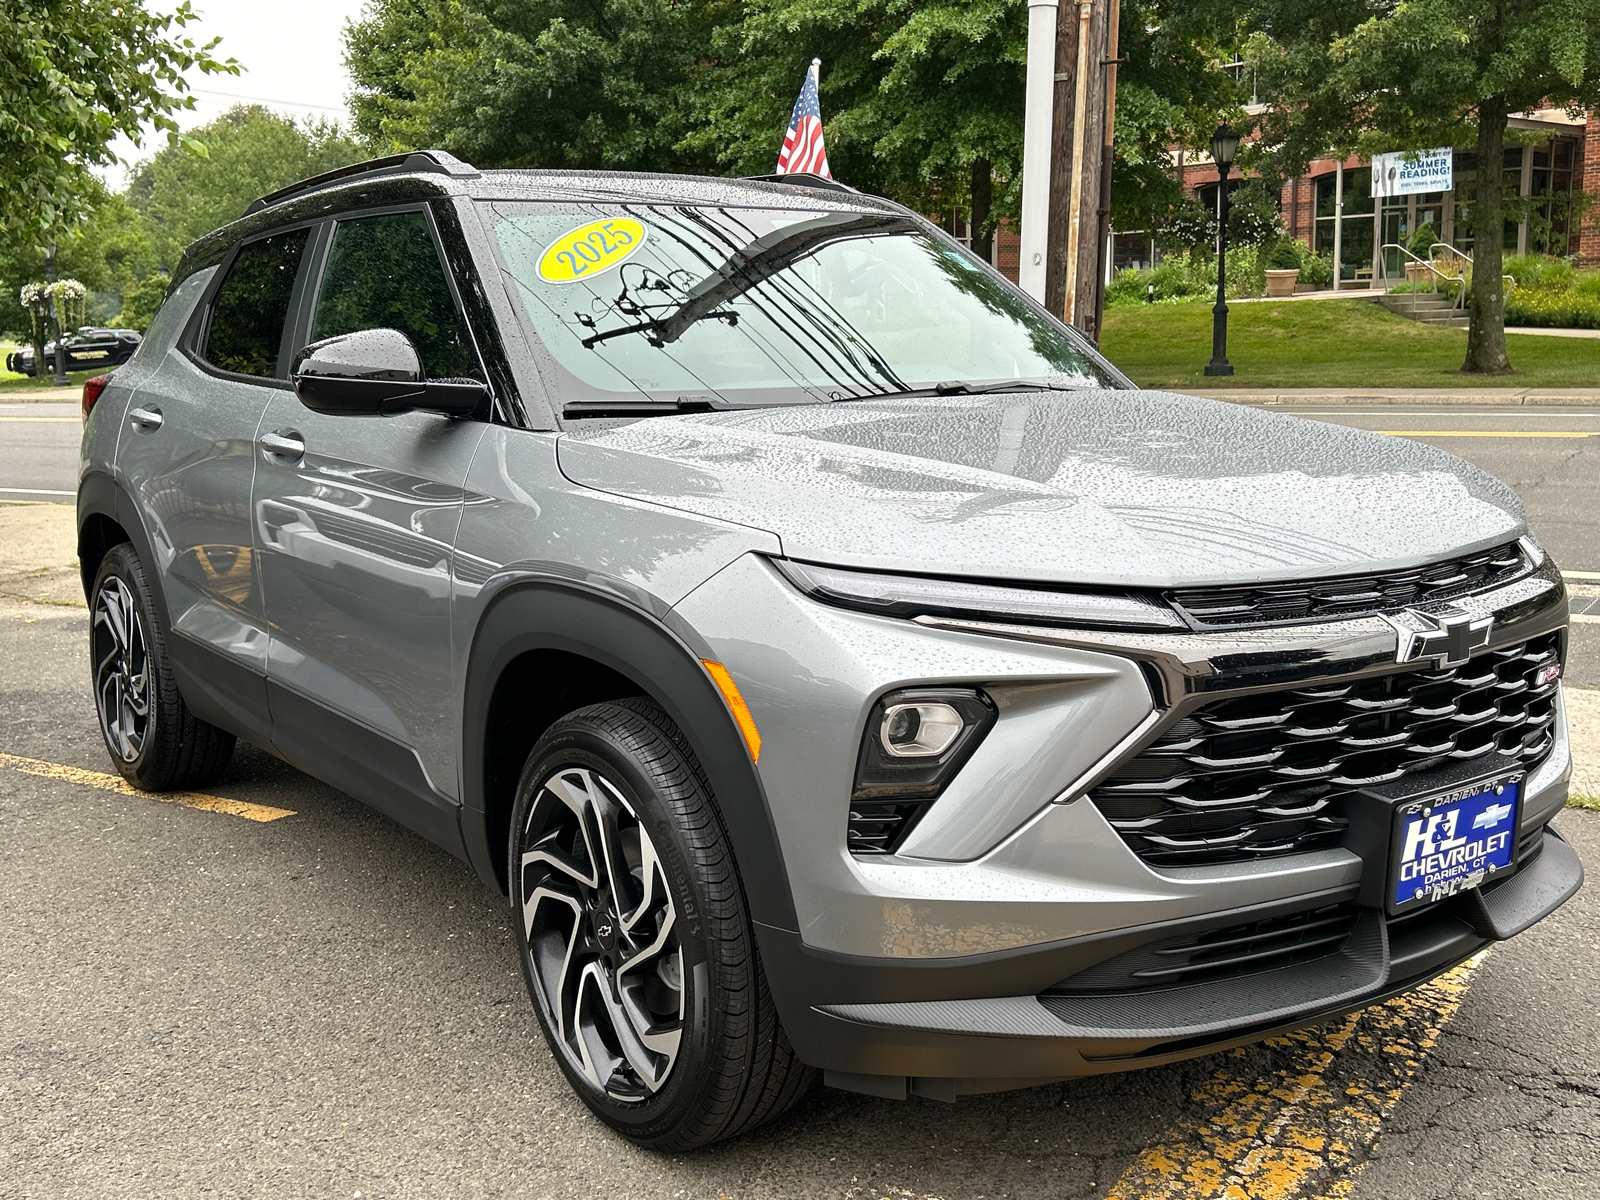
(601,929)
(121,669)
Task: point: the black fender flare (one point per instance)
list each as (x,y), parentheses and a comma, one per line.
(100,495)
(538,615)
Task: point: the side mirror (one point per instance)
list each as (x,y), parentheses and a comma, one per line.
(376,373)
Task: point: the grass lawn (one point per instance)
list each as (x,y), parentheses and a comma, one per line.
(1326,343)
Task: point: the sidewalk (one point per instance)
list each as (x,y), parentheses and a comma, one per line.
(1496,397)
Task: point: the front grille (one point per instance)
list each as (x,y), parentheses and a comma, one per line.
(1266,775)
(1228,953)
(1350,595)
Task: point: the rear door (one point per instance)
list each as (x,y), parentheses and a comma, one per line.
(355,520)
(187,453)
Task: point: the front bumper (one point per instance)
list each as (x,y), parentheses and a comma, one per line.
(953,959)
(945,1048)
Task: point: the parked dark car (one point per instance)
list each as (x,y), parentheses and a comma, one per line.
(88,349)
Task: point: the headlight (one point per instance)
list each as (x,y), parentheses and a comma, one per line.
(915,741)
(912,596)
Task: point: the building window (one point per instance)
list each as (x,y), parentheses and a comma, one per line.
(1355,246)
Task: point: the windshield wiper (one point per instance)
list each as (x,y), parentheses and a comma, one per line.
(648,408)
(958,387)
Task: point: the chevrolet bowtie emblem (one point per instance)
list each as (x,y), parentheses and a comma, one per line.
(1449,636)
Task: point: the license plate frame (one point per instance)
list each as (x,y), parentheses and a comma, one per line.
(1431,827)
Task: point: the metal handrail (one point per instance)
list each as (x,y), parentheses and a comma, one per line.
(1434,251)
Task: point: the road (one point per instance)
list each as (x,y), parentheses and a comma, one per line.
(39,450)
(324,1004)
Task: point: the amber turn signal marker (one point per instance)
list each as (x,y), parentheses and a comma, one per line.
(736,704)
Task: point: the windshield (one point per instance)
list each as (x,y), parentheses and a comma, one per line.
(745,306)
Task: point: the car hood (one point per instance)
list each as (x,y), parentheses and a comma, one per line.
(1126,488)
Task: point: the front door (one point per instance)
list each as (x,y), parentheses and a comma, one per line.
(355,518)
(188,453)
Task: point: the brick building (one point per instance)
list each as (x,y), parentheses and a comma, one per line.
(1332,204)
(1565,164)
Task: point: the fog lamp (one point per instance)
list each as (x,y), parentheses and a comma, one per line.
(920,730)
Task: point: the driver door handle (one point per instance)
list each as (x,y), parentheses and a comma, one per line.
(285,444)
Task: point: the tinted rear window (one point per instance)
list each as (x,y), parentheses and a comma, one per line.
(248,313)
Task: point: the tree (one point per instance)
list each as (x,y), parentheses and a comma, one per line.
(532,83)
(920,101)
(1410,74)
(75,74)
(251,151)
(108,249)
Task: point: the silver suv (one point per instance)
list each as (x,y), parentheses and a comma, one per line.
(840,666)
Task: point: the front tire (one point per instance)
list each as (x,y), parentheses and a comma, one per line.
(155,741)
(634,938)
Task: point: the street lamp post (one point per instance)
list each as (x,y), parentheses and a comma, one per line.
(1224,145)
(60,355)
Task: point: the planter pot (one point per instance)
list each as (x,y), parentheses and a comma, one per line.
(1418,272)
(1281,283)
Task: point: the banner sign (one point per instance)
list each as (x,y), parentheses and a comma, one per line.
(1407,172)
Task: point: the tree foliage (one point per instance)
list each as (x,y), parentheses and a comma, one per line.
(1409,74)
(548,83)
(75,74)
(252,151)
(922,99)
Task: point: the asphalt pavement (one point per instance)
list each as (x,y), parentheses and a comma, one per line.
(39,450)
(323,1004)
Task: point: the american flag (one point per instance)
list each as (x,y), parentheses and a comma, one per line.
(803,150)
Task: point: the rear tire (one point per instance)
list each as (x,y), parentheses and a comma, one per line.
(154,740)
(634,938)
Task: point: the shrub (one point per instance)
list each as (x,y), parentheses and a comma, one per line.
(1286,254)
(1422,237)
(1552,308)
(1540,272)
(1180,278)
(1317,270)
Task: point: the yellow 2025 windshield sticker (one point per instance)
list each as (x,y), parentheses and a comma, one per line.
(590,249)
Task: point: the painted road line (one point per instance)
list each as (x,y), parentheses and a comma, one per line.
(35,492)
(41,420)
(1494,433)
(1304,1130)
(115,783)
(1582,575)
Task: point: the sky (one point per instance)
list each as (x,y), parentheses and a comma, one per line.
(291,57)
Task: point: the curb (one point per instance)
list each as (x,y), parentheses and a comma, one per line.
(1501,397)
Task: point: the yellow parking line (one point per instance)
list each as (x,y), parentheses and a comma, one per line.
(1497,433)
(115,783)
(39,420)
(1304,1130)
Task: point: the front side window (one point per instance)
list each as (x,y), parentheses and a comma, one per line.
(383,273)
(750,307)
(247,316)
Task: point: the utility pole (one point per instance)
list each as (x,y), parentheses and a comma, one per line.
(1103,241)
(1077,160)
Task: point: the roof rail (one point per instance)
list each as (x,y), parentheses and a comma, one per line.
(804,179)
(437,161)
